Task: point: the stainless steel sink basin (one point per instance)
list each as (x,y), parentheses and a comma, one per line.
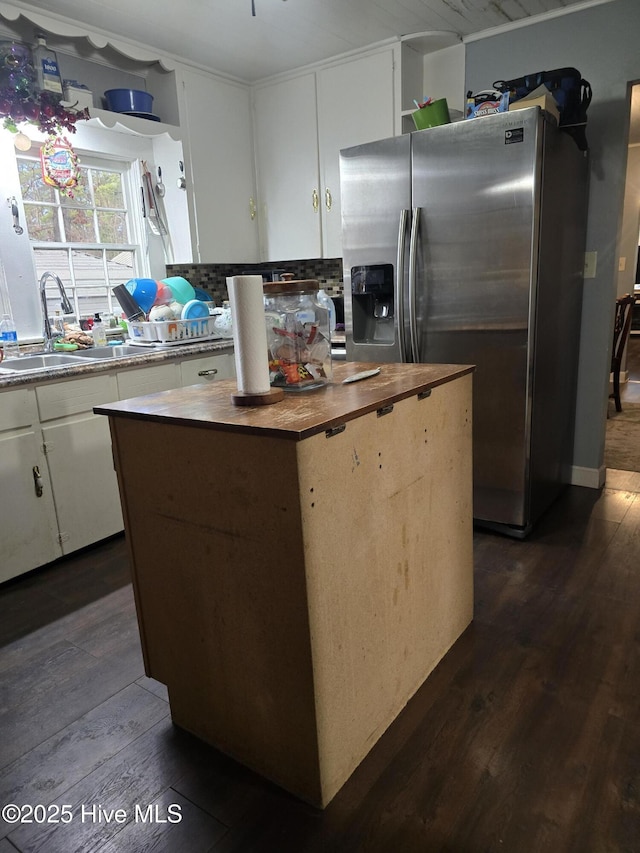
(116,351)
(41,361)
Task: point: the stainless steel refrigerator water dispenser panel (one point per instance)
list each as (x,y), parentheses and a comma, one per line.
(373,302)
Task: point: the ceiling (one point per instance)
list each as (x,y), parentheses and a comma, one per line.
(285,34)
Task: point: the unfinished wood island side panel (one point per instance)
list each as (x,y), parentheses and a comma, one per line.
(295,585)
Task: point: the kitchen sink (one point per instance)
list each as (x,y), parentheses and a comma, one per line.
(41,361)
(116,351)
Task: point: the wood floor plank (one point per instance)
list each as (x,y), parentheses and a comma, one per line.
(45,773)
(134,776)
(187,828)
(48,705)
(19,648)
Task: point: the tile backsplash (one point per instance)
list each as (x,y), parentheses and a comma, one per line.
(212,277)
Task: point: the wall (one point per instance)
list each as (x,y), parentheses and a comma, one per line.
(602,42)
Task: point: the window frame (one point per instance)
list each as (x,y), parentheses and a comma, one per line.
(85,305)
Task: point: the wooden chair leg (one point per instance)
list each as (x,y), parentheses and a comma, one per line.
(616,390)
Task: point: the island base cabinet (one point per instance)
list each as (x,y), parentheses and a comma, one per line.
(293,595)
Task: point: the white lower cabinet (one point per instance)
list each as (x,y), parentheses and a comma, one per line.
(59,487)
(78,453)
(147,380)
(28,529)
(198,371)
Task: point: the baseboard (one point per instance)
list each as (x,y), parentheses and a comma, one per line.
(592,478)
(624,378)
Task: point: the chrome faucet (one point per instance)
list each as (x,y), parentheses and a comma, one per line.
(67,308)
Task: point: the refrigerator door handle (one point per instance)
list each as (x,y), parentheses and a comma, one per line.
(413,255)
(399,288)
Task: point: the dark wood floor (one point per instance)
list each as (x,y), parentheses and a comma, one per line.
(526,738)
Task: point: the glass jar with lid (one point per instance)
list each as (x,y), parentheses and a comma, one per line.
(298,335)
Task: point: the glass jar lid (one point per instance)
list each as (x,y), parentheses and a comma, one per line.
(288,285)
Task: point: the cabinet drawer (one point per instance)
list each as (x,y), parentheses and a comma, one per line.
(17,408)
(148,380)
(197,371)
(58,399)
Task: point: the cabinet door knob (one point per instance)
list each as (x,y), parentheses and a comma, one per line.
(252,209)
(37,481)
(315,200)
(211,372)
(327,198)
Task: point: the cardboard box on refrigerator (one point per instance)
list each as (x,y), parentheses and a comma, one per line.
(545,101)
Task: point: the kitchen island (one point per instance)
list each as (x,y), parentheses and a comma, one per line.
(299,569)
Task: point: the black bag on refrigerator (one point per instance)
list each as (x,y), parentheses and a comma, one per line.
(571,92)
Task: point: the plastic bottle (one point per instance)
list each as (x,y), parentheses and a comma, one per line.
(9,337)
(46,65)
(327,302)
(99,332)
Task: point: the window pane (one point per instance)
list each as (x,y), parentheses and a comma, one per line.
(81,193)
(87,266)
(31,184)
(79,225)
(121,267)
(112,227)
(91,300)
(42,223)
(107,189)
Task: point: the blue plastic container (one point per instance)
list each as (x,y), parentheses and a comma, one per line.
(128,101)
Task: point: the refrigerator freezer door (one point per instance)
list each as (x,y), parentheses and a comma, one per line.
(477,186)
(375,187)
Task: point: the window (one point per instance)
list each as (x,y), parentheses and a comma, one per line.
(91,240)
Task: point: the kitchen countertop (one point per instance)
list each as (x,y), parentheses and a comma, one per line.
(148,355)
(300,414)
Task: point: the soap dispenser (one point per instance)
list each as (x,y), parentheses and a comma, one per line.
(99,332)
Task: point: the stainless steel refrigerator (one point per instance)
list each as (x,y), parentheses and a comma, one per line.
(465,244)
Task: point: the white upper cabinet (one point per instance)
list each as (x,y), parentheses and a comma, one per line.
(355,106)
(286,129)
(216,120)
(301,123)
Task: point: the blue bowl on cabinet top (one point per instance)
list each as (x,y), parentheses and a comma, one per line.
(128,101)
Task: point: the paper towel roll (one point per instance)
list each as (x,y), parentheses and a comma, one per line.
(249,333)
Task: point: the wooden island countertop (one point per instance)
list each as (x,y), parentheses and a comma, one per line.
(299,568)
(301,414)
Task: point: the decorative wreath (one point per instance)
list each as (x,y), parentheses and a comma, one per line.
(59,164)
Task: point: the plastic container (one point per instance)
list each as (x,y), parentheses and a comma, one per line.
(194,309)
(298,335)
(9,337)
(432,115)
(183,291)
(77,95)
(144,291)
(128,101)
(46,66)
